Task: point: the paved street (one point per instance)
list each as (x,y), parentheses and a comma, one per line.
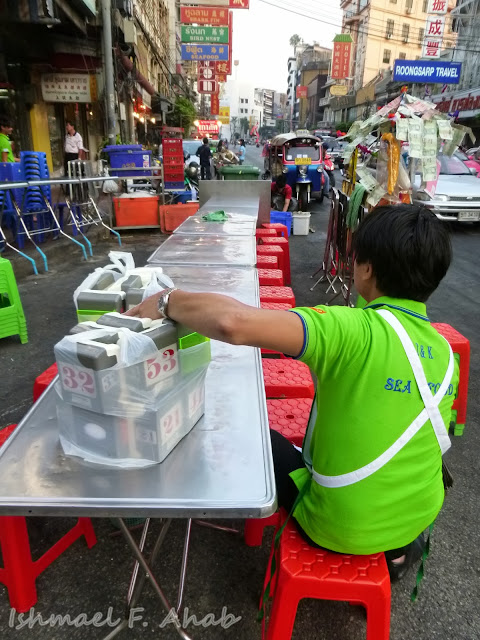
(223,572)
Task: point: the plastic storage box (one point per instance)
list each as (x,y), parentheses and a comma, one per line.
(129,156)
(146,438)
(136,211)
(172,215)
(283,217)
(301,223)
(239,172)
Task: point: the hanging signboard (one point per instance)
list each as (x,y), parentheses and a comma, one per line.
(207,127)
(223,68)
(206,71)
(221,77)
(210,35)
(201,15)
(435,27)
(427,72)
(204,52)
(224,115)
(215,104)
(440,7)
(302,92)
(231,4)
(207,86)
(342,51)
(339,90)
(66,87)
(431,48)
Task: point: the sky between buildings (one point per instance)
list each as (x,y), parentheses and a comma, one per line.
(261,37)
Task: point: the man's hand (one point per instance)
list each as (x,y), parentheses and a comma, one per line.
(147,309)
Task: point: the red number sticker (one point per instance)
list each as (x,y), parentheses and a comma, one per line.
(77,380)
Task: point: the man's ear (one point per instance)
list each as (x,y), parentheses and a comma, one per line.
(364,271)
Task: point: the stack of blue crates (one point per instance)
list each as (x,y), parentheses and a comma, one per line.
(282,217)
(124,156)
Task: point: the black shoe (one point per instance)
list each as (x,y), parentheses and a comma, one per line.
(412,552)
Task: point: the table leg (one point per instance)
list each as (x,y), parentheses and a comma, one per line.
(143,563)
(183,571)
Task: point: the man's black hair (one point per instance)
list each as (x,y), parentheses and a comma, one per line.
(5,122)
(409,250)
(281,181)
(205,141)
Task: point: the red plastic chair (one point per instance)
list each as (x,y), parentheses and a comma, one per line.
(254,529)
(20,571)
(270,277)
(273,250)
(461,346)
(267,262)
(277,294)
(283,243)
(265,233)
(306,572)
(43,381)
(281,229)
(290,417)
(287,379)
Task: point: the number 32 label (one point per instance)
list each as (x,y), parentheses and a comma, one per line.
(77,380)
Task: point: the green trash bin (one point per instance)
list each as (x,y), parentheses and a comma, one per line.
(239,172)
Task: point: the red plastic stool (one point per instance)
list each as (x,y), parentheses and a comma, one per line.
(273,250)
(264,233)
(290,417)
(306,572)
(42,382)
(275,306)
(254,529)
(267,262)
(270,277)
(461,346)
(287,379)
(280,242)
(281,229)
(20,571)
(277,294)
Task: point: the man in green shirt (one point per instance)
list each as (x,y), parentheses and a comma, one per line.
(6,153)
(370,474)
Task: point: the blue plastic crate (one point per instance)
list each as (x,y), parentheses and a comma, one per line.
(127,159)
(182,196)
(282,217)
(174,186)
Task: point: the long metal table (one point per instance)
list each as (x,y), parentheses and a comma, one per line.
(222,469)
(209,251)
(234,226)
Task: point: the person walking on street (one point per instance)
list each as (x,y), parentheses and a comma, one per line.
(205,155)
(6,153)
(241,152)
(74,149)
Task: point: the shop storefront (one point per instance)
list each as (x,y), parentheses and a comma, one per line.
(465,105)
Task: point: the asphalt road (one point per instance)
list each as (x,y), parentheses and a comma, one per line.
(223,572)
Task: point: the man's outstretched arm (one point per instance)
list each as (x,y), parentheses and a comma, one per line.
(223,318)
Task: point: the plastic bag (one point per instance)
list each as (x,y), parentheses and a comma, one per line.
(122,262)
(110,186)
(158,282)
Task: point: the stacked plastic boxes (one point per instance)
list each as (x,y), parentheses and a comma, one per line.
(129,390)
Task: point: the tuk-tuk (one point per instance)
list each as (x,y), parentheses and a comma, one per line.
(300,157)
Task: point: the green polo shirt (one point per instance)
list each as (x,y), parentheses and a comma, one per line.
(6,145)
(366,398)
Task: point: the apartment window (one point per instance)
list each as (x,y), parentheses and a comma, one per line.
(425,6)
(409,6)
(241,100)
(246,100)
(389,30)
(405,32)
(421,35)
(393,1)
(387,54)
(402,55)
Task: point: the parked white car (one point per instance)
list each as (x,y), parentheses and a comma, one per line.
(457,196)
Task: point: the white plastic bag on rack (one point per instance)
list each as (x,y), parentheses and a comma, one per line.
(158,282)
(122,262)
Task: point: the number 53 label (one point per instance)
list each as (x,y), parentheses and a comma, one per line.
(163,366)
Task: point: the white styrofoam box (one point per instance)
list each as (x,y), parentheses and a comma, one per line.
(131,442)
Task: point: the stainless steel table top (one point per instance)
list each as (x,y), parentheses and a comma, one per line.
(196,225)
(233,201)
(240,213)
(223,468)
(214,251)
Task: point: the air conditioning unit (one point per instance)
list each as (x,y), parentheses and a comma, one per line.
(129,31)
(408,9)
(388,36)
(405,39)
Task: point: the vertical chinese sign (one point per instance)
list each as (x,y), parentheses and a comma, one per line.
(342,56)
(434,29)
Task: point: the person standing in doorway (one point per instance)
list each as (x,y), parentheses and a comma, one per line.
(74,149)
(241,152)
(6,153)
(205,155)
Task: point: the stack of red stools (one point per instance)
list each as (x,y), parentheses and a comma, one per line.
(173,164)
